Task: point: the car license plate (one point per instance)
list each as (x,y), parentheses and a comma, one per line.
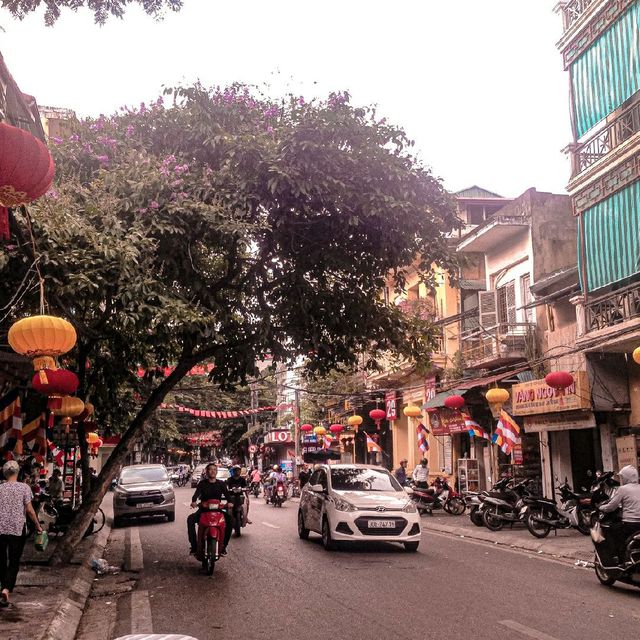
(142,505)
(382,524)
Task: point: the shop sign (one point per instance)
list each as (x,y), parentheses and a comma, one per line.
(518,457)
(627,451)
(430,388)
(391,405)
(446,421)
(535,397)
(559,422)
(311,448)
(278,437)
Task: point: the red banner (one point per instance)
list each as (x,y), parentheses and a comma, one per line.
(444,422)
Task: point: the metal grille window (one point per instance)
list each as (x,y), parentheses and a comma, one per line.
(506,303)
(525,295)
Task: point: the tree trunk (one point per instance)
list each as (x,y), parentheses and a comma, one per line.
(90,505)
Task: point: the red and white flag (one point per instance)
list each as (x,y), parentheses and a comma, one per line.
(423,441)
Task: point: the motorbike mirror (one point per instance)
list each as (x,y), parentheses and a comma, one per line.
(316,488)
(114,482)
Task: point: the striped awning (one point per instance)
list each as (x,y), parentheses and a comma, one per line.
(611,232)
(608,72)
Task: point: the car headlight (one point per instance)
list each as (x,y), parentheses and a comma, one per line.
(410,507)
(343,505)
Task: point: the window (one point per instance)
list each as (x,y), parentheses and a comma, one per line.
(144,474)
(355,479)
(506,299)
(475,214)
(525,295)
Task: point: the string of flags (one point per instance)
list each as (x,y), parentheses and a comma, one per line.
(224,415)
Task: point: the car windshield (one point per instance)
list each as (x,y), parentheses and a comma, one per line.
(223,473)
(147,474)
(353,479)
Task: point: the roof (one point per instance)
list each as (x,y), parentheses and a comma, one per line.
(476,192)
(570,274)
(487,380)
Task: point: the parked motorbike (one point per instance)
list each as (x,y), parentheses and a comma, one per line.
(56,516)
(211,529)
(278,494)
(237,507)
(617,557)
(505,504)
(438,496)
(255,489)
(541,515)
(603,488)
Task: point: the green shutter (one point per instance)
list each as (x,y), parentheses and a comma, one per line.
(608,72)
(611,232)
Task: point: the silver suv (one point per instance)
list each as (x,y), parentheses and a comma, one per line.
(143,490)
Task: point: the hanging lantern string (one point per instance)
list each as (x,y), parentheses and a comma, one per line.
(36,257)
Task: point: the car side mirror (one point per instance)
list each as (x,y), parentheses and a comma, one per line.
(316,488)
(408,490)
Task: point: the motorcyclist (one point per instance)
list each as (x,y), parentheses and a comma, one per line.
(401,472)
(236,479)
(209,488)
(628,497)
(421,474)
(275,476)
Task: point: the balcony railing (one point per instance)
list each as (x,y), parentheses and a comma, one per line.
(625,125)
(612,309)
(572,10)
(488,346)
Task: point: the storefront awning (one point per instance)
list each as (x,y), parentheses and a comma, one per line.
(438,400)
(465,385)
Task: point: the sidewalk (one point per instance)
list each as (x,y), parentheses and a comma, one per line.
(567,544)
(48,602)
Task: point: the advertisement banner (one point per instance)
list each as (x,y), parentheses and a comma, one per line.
(429,388)
(391,405)
(278,437)
(535,397)
(443,422)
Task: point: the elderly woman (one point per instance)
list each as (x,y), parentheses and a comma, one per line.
(15,504)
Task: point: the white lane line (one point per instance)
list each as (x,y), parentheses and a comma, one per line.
(136,559)
(267,524)
(141,621)
(526,631)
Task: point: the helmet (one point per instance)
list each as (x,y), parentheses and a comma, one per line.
(276,467)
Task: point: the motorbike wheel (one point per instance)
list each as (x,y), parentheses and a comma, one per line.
(455,506)
(492,521)
(603,575)
(209,562)
(98,520)
(237,524)
(476,517)
(537,529)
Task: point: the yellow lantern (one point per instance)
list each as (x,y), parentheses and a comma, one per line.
(636,355)
(412,411)
(319,431)
(497,396)
(92,438)
(354,421)
(42,338)
(70,407)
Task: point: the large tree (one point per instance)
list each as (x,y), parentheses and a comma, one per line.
(102,9)
(224,227)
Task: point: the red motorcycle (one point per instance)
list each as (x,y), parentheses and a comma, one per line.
(211,528)
(438,496)
(278,494)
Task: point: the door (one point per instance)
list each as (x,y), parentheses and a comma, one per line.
(585,456)
(315,501)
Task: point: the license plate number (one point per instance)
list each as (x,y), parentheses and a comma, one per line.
(142,505)
(382,524)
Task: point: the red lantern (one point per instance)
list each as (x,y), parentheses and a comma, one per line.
(377,415)
(26,170)
(336,428)
(306,428)
(454,402)
(559,379)
(59,382)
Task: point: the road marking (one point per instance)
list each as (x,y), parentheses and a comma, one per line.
(136,558)
(141,621)
(526,631)
(267,524)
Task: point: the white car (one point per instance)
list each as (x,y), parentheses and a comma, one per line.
(357,503)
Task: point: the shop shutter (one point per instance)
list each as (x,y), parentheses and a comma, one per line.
(488,309)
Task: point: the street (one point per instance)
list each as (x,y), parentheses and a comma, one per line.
(273,585)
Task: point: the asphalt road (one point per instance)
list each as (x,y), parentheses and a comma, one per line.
(274,586)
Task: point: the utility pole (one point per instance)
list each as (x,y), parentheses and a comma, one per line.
(296,432)
(254,416)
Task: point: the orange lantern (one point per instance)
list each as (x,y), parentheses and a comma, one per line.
(320,431)
(67,406)
(412,411)
(636,355)
(354,421)
(92,438)
(497,396)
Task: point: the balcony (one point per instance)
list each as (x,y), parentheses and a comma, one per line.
(495,232)
(491,347)
(602,142)
(613,309)
(572,11)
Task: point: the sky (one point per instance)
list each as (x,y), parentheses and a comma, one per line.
(478,84)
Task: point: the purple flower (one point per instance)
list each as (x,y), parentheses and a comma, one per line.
(269,129)
(56,140)
(104,160)
(143,210)
(53,194)
(154,205)
(130,130)
(301,101)
(271,112)
(74,138)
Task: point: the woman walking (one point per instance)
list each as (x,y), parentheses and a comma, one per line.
(15,504)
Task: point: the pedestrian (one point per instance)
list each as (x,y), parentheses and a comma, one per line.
(15,504)
(421,474)
(303,476)
(401,472)
(55,486)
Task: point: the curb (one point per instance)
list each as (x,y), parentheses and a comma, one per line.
(542,548)
(64,624)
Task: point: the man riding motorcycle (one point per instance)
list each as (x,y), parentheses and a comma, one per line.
(275,476)
(236,479)
(210,488)
(628,497)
